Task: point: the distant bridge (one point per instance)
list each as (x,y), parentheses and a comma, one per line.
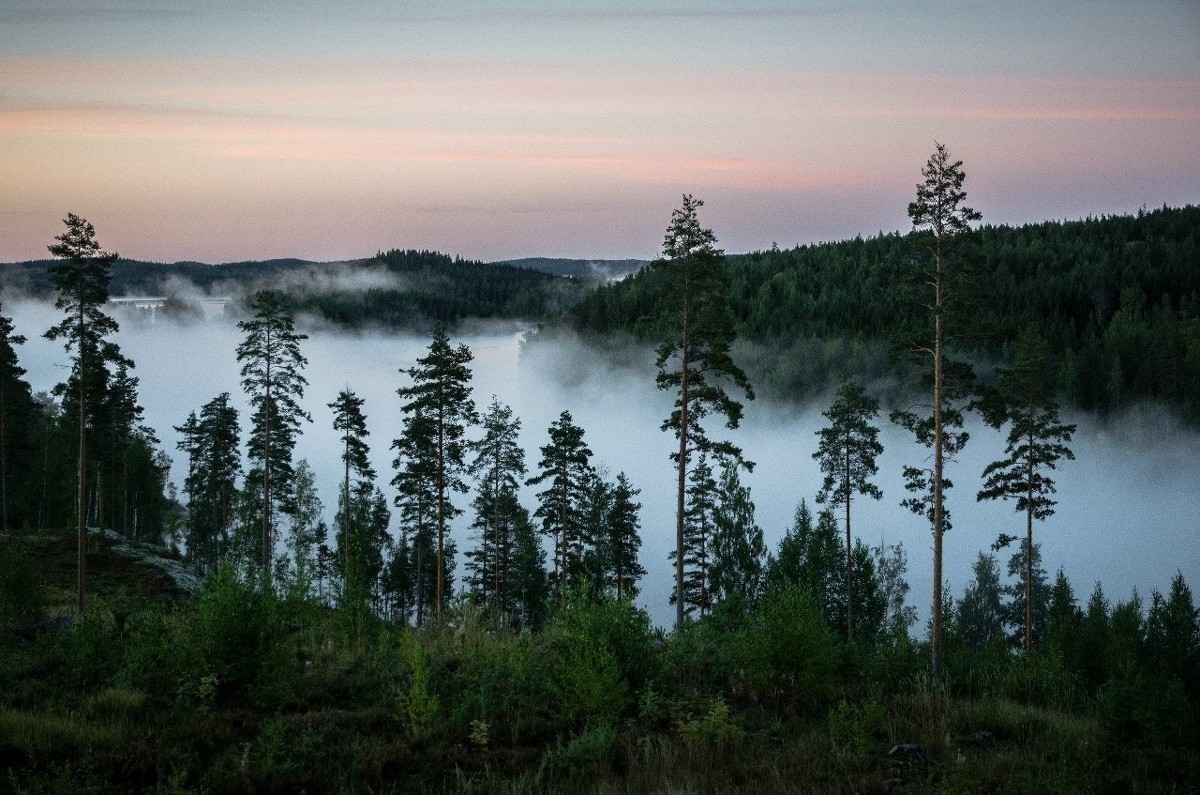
(212,307)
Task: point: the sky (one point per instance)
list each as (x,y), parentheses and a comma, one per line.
(225,130)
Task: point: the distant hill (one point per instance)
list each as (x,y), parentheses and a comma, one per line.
(397,289)
(604,270)
(1118,297)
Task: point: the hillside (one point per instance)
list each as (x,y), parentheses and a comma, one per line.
(1117,296)
(394,289)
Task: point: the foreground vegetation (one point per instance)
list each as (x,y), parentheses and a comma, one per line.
(249,688)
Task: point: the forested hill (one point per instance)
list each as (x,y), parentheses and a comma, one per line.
(1118,296)
(394,289)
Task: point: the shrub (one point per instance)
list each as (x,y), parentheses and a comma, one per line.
(236,636)
(785,652)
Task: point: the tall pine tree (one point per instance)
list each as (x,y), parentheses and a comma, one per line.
(847,452)
(439,405)
(939,215)
(694,361)
(81,278)
(1037,440)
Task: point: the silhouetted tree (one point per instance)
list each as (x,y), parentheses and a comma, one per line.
(273,379)
(81,278)
(847,452)
(566,470)
(694,361)
(440,394)
(939,212)
(1037,441)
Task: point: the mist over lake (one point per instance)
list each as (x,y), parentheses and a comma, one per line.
(1127,506)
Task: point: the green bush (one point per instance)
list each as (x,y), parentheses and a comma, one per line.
(785,652)
(601,656)
(236,636)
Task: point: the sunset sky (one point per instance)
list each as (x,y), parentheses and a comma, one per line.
(221,130)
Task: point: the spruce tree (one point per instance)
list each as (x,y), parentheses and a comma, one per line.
(499,467)
(440,394)
(738,550)
(701,505)
(273,379)
(211,442)
(566,470)
(694,362)
(81,277)
(847,452)
(624,538)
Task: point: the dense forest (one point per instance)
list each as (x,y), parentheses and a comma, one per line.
(395,289)
(1118,297)
(367,651)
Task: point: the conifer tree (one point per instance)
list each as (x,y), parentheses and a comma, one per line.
(1037,441)
(738,550)
(847,452)
(701,505)
(416,502)
(81,277)
(358,486)
(440,394)
(1028,599)
(211,443)
(499,467)
(940,215)
(694,362)
(566,470)
(980,611)
(272,377)
(16,423)
(624,538)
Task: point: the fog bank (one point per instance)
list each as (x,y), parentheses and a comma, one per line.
(1127,512)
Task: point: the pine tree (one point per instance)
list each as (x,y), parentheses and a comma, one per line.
(211,443)
(566,470)
(440,393)
(81,277)
(272,377)
(358,485)
(847,452)
(738,550)
(694,362)
(1037,441)
(940,213)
